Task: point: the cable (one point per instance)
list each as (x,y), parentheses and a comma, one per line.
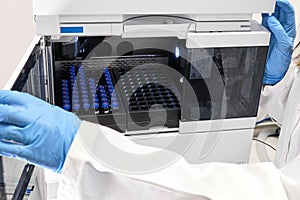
(298,44)
(2,181)
(265,144)
(263,120)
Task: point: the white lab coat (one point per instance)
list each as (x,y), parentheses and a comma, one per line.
(282,102)
(85,176)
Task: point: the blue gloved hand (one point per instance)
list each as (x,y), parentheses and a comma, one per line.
(35,131)
(282,26)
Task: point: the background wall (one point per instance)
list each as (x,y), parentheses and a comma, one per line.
(296,4)
(17,31)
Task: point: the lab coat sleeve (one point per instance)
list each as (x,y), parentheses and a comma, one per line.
(290,176)
(273,98)
(86,177)
(282,102)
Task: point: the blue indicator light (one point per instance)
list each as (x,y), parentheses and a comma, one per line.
(75,29)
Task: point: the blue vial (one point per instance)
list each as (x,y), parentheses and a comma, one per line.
(81,74)
(85,96)
(85,100)
(115,106)
(82,81)
(101,87)
(92,88)
(66,106)
(95,100)
(107,79)
(109,83)
(72,79)
(72,68)
(105,105)
(66,100)
(110,91)
(76,107)
(102,92)
(72,76)
(93,94)
(76,101)
(110,86)
(104,100)
(83,85)
(96,105)
(65,96)
(86,105)
(75,92)
(84,91)
(65,92)
(114,95)
(114,99)
(103,95)
(75,97)
(92,85)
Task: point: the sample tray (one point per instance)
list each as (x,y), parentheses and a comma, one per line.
(88,91)
(124,94)
(150,96)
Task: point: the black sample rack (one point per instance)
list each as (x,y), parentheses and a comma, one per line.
(124,94)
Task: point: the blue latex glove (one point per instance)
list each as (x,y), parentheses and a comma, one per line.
(282,26)
(35,131)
